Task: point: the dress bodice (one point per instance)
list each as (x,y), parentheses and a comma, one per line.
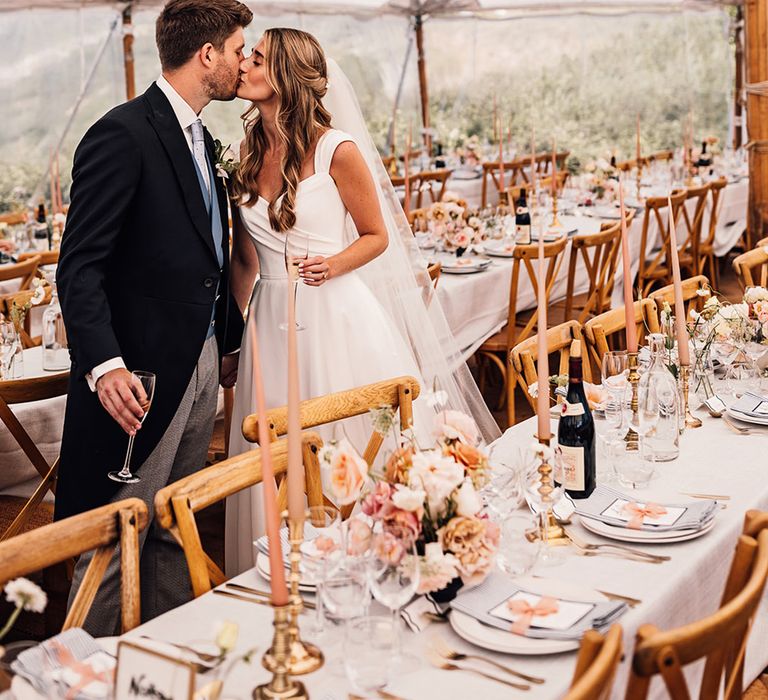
(320,214)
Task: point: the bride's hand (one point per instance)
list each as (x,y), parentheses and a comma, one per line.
(315,271)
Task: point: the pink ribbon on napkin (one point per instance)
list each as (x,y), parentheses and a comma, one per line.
(638,513)
(526,612)
(85,672)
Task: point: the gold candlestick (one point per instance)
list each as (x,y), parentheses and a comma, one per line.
(691,421)
(631,438)
(281,686)
(555,221)
(304,657)
(551,532)
(503,198)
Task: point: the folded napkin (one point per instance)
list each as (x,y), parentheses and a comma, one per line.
(751,404)
(499,602)
(615,508)
(71,665)
(262,544)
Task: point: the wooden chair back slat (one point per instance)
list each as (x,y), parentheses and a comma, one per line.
(99,530)
(432,182)
(20,299)
(47,257)
(24,271)
(492,174)
(596,665)
(607,331)
(653,263)
(720,638)
(752,268)
(177,503)
(523,358)
(691,295)
(661,156)
(13,218)
(693,221)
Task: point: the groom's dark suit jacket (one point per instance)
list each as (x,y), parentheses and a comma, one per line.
(137,278)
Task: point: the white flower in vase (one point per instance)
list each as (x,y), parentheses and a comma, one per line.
(467,500)
(438,476)
(26,595)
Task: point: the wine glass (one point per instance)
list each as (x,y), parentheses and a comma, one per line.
(370,648)
(9,340)
(296,252)
(614,371)
(145,380)
(346,592)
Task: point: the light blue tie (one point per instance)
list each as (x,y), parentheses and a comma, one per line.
(198,149)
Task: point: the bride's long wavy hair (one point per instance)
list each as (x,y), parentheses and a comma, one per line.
(296,70)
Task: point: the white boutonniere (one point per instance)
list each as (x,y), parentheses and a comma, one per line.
(226,161)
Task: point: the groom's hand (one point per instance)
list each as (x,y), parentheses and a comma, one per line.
(117,393)
(229,370)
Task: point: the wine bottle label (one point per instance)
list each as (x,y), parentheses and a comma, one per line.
(571,467)
(572,409)
(523,234)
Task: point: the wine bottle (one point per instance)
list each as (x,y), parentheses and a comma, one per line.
(576,434)
(522,220)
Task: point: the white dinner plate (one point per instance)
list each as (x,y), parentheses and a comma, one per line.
(262,566)
(494,639)
(755,420)
(625,534)
(500,250)
(464,265)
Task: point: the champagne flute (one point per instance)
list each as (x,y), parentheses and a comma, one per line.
(296,252)
(147,381)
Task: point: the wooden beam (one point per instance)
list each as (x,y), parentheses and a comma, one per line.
(756,49)
(423,89)
(130,75)
(738,83)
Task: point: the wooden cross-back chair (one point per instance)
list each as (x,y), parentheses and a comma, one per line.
(654,264)
(691,297)
(434,273)
(720,639)
(15,391)
(706,254)
(661,156)
(607,331)
(398,393)
(13,218)
(102,530)
(177,503)
(519,326)
(599,658)
(492,174)
(388,161)
(47,257)
(513,192)
(689,249)
(545,183)
(20,299)
(599,254)
(413,186)
(523,359)
(752,268)
(431,186)
(417,218)
(25,272)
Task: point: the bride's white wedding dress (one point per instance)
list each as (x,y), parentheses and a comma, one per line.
(348,338)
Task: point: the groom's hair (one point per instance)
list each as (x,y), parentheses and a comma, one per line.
(185,25)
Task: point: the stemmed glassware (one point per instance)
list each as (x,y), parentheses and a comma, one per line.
(146,381)
(614,371)
(9,339)
(296,252)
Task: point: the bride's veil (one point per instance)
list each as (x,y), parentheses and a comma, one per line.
(399,278)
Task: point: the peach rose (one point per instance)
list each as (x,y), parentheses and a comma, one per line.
(474,542)
(348,473)
(388,548)
(399,464)
(454,425)
(595,394)
(359,535)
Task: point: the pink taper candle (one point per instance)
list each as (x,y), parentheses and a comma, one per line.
(406,170)
(296,500)
(542,399)
(554,167)
(533,161)
(682,334)
(271,516)
(501,157)
(637,142)
(629,307)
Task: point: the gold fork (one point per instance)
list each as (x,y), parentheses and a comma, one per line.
(439,662)
(442,648)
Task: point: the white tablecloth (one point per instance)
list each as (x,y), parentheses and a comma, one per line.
(713,460)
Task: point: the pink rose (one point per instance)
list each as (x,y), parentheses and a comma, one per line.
(359,536)
(454,425)
(377,500)
(388,548)
(349,472)
(403,524)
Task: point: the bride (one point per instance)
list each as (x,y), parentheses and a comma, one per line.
(309,171)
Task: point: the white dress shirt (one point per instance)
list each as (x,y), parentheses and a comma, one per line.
(186,116)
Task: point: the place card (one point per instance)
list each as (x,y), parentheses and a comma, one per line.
(616,511)
(568,612)
(715,404)
(144,672)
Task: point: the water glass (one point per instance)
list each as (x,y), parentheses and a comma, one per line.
(519,544)
(346,591)
(633,470)
(9,343)
(370,653)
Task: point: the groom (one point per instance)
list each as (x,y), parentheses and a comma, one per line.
(143,282)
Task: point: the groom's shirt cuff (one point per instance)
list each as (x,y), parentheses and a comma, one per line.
(100,370)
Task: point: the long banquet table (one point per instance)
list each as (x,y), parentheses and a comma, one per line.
(713,460)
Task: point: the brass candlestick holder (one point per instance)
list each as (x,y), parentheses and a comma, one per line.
(304,657)
(281,686)
(639,178)
(691,421)
(631,438)
(555,221)
(551,532)
(503,198)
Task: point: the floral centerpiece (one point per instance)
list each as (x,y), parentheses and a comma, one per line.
(450,223)
(424,497)
(599,178)
(756,299)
